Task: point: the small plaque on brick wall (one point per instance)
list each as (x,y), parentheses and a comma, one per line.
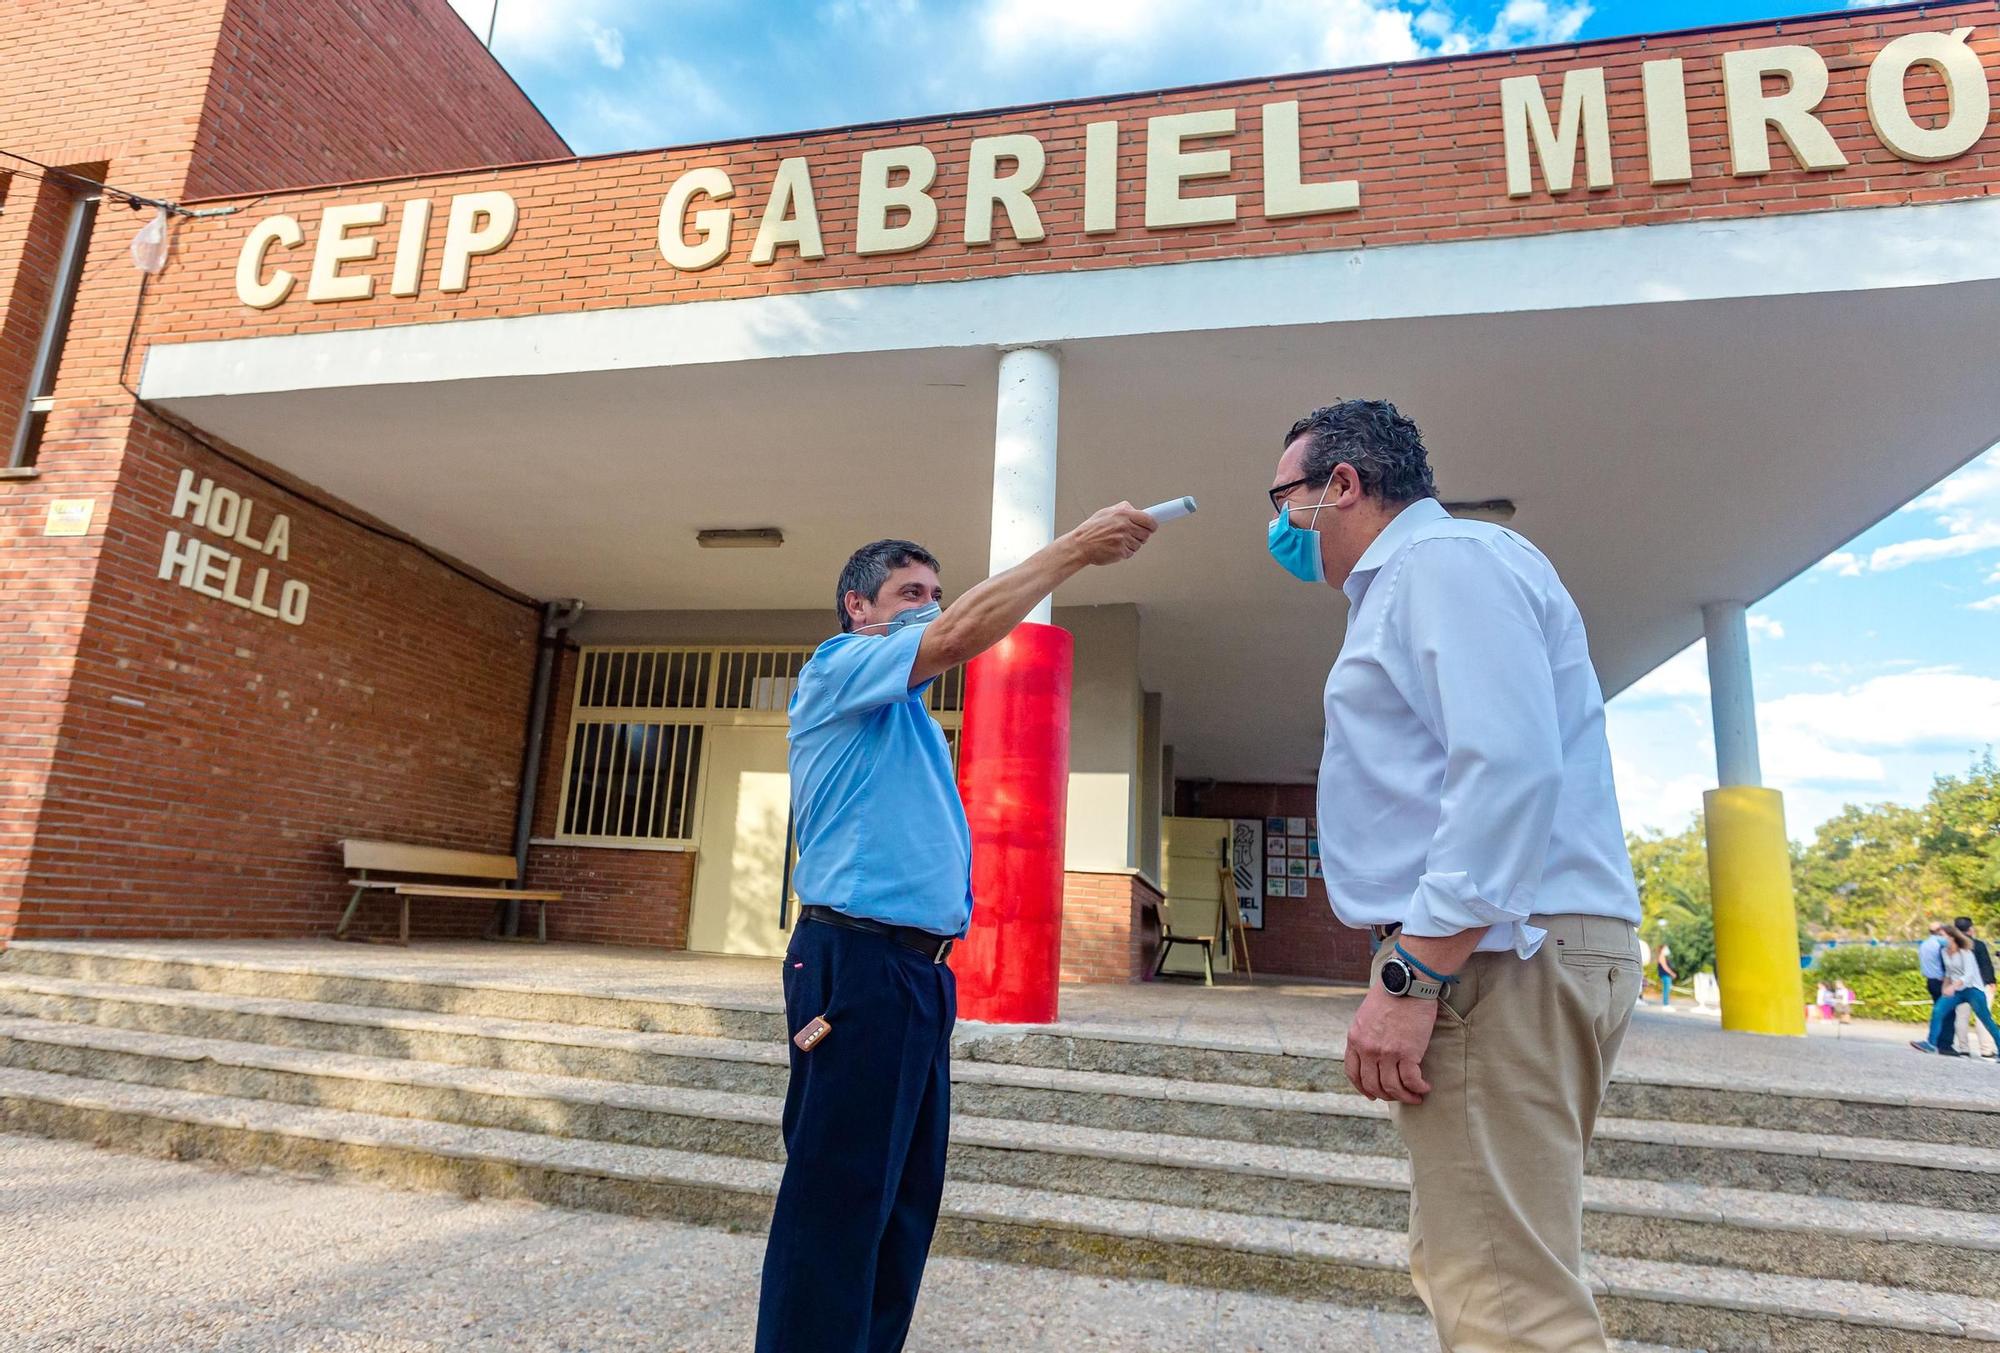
(69,517)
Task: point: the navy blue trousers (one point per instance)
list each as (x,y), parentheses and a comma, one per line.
(867,1118)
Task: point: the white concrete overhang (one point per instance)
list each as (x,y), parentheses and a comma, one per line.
(1683,413)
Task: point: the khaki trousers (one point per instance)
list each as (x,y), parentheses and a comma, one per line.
(1518,1065)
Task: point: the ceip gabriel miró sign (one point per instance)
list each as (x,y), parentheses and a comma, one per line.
(1769,93)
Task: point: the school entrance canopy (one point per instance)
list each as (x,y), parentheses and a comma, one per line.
(1690,312)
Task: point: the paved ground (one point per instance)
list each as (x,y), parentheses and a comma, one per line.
(103,1251)
(1296,1015)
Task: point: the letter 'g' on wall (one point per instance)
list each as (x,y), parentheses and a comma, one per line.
(711,224)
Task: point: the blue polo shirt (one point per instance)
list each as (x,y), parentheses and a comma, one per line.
(881,829)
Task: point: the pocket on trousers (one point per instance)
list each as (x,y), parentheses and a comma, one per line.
(1456,1002)
(1597,958)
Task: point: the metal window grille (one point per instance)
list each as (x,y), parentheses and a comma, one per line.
(633,771)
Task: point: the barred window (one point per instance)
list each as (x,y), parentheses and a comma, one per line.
(642,716)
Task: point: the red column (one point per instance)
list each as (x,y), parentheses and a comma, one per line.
(1013,772)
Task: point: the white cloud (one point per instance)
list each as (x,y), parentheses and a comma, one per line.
(1966,509)
(608,43)
(1765,627)
(1882,738)
(552,32)
(1536,22)
(1684,674)
(1840,562)
(1841,737)
(1991,603)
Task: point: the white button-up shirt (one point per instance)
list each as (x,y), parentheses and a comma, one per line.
(1466,781)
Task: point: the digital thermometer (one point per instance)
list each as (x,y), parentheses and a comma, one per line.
(1170,510)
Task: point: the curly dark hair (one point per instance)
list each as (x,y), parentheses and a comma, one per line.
(1383,446)
(870,566)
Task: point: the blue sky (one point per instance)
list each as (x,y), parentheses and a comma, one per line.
(1875,671)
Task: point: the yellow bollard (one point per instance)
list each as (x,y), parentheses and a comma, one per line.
(1756,930)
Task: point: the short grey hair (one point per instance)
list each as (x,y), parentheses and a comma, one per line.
(1384,447)
(870,566)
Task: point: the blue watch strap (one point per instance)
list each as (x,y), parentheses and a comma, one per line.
(1440,978)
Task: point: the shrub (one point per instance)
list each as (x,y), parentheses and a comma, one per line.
(1855,960)
(1883,990)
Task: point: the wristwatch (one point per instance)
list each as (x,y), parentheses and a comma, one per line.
(1402,975)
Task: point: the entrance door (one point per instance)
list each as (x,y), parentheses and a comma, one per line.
(742,883)
(1193,849)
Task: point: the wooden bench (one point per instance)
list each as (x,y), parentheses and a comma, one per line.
(420,867)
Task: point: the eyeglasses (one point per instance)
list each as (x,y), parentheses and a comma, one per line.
(1279,493)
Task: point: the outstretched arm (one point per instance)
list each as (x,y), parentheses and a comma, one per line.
(984,615)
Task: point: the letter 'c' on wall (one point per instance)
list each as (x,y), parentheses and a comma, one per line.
(1967,94)
(1752,112)
(252,287)
(711,224)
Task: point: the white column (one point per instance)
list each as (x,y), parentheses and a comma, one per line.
(1732,701)
(1024,460)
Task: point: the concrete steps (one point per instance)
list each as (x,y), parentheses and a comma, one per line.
(1856,1112)
(1710,1222)
(1857,1168)
(1900,1245)
(1687,1304)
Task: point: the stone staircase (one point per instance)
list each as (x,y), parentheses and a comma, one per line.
(1716,1217)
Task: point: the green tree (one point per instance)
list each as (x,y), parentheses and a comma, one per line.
(1961,841)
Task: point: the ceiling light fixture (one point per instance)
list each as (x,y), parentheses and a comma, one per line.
(751,538)
(1484,509)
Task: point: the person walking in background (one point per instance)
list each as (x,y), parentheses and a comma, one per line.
(1971,964)
(1982,957)
(1667,973)
(1843,1000)
(1823,998)
(1930,961)
(1961,988)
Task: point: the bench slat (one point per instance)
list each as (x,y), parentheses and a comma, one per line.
(403,859)
(448,890)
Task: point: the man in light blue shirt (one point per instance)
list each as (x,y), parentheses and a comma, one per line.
(885,878)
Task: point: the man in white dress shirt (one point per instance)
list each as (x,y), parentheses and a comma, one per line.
(1466,814)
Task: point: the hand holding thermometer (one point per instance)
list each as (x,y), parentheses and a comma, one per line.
(1170,510)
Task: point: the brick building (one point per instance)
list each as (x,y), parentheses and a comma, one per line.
(282,527)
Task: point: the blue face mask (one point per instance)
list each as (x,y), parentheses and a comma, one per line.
(915,615)
(1296,548)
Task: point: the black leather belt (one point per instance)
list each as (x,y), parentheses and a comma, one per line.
(936,948)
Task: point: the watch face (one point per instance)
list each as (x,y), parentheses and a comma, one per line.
(1395,977)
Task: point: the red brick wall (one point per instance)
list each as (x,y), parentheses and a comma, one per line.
(614,896)
(210,805)
(1424,140)
(1111,927)
(1301,936)
(212,757)
(117,84)
(331,91)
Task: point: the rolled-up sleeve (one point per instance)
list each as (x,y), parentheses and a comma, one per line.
(1478,677)
(856,673)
